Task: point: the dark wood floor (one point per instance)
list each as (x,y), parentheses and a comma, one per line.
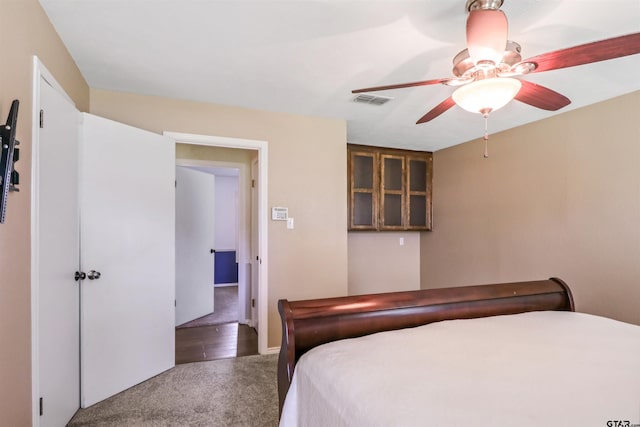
(215,342)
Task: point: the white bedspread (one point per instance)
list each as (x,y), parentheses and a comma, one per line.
(541,369)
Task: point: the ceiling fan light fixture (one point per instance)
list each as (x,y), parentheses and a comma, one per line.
(484,96)
(486,37)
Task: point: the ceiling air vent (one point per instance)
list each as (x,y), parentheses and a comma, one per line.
(372,99)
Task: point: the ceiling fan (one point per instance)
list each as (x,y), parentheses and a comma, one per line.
(486,71)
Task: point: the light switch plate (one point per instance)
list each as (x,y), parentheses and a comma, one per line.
(290,223)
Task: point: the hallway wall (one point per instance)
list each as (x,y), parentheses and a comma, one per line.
(25,31)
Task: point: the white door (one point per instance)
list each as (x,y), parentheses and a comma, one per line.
(195,232)
(255,239)
(56,251)
(127,240)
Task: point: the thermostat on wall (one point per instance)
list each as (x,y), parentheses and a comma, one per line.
(279,214)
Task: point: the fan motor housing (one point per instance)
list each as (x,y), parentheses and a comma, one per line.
(463,64)
(483,4)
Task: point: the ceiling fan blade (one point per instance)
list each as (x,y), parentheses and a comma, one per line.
(602,50)
(402,85)
(439,109)
(541,97)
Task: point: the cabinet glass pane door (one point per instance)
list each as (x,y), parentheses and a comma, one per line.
(417,175)
(392,210)
(393,173)
(418,195)
(363,209)
(417,211)
(393,192)
(363,214)
(363,172)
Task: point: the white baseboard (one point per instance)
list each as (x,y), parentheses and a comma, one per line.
(273,350)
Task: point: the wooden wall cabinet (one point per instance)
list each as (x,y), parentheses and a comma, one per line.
(389,189)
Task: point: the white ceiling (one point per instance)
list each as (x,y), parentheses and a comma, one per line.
(305,57)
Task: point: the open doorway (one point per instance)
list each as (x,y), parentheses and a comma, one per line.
(212,237)
(237,239)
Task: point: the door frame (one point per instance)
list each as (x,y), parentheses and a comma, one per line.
(39,72)
(262,148)
(253,245)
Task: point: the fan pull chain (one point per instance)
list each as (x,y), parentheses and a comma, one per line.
(486,136)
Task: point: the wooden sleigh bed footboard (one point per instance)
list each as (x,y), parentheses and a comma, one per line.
(310,323)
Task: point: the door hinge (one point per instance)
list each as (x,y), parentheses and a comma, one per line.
(41,407)
(253,183)
(253,302)
(175,303)
(41,119)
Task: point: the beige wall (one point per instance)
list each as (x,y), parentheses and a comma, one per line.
(378,263)
(307,174)
(25,31)
(218,154)
(560,197)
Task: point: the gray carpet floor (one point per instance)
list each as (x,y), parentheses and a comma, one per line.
(227,392)
(225,308)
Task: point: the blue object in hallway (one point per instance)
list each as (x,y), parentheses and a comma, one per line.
(226,267)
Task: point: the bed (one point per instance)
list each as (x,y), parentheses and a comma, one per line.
(488,355)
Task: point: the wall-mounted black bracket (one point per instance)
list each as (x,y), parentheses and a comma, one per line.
(9,177)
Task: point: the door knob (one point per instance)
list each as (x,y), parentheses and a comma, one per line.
(80,275)
(93,275)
